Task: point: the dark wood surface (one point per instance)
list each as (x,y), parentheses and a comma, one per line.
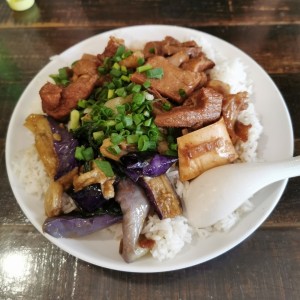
(264,266)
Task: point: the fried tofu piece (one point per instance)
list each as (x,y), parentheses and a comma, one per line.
(204,149)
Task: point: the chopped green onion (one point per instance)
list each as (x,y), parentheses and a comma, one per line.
(143,143)
(115,73)
(125,78)
(121,92)
(138,118)
(132,139)
(152,50)
(116,66)
(136,88)
(120,50)
(124,69)
(98,135)
(82,153)
(78,153)
(105,167)
(116,138)
(119,126)
(148,122)
(88,153)
(82,103)
(74,119)
(102,70)
(157,73)
(182,93)
(173,146)
(110,94)
(127,120)
(143,68)
(62,78)
(140,61)
(114,149)
(118,82)
(167,106)
(126,54)
(138,99)
(111,86)
(146,84)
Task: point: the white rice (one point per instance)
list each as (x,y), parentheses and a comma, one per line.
(30,170)
(170,235)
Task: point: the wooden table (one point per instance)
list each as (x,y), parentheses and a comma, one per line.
(265,266)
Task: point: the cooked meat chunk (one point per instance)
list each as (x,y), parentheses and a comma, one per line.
(88,64)
(219,86)
(170,46)
(198,64)
(178,58)
(111,48)
(201,108)
(174,79)
(152,48)
(233,104)
(58,102)
(51,96)
(80,89)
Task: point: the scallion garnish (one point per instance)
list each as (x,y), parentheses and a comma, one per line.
(105,167)
(143,68)
(182,93)
(156,73)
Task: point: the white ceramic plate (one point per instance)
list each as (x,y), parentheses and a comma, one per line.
(98,248)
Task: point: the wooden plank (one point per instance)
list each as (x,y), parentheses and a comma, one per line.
(44,270)
(271,43)
(119,13)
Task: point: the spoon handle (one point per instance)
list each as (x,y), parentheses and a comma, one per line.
(270,172)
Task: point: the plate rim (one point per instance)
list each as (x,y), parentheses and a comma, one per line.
(130,268)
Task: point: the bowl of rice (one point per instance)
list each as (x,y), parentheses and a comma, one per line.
(177,244)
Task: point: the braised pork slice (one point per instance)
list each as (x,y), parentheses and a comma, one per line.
(233,104)
(198,64)
(111,48)
(173,81)
(170,46)
(201,108)
(178,58)
(58,102)
(88,64)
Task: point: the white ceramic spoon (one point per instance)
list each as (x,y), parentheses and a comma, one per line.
(221,190)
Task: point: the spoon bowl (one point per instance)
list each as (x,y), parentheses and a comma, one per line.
(220,191)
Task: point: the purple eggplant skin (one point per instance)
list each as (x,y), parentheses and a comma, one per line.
(159,165)
(74,226)
(89,199)
(138,164)
(135,208)
(64,147)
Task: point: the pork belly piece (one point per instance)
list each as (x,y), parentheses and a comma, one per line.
(233,104)
(111,48)
(178,58)
(170,46)
(58,102)
(198,64)
(173,81)
(204,149)
(203,107)
(219,86)
(88,64)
